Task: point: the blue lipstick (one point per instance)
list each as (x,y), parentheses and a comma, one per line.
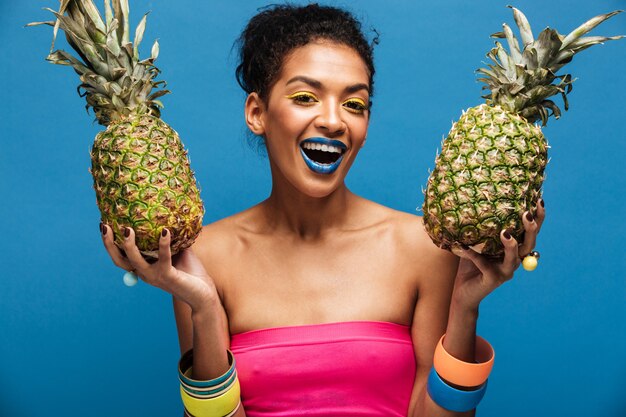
(318,167)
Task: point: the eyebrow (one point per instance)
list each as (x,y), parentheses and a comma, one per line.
(316,84)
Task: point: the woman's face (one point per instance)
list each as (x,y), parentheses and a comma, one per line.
(316,118)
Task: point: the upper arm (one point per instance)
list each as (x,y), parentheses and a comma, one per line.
(209,256)
(437,270)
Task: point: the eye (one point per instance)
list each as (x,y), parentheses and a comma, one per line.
(355,105)
(303,98)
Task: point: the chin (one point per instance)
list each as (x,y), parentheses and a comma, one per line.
(322,187)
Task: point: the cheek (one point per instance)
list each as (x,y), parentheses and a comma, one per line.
(289,122)
(359,130)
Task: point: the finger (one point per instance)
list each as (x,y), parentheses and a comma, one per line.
(137,261)
(112,249)
(540,215)
(165,253)
(530,235)
(511,259)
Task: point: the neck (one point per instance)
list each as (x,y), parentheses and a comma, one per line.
(289,211)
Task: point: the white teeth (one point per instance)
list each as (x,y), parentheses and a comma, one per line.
(321,147)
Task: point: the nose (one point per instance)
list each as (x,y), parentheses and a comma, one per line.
(330,119)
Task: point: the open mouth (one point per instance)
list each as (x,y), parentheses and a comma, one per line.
(322,155)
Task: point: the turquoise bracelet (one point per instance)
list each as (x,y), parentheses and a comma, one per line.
(186,362)
(212,391)
(451,398)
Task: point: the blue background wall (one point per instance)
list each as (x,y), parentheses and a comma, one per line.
(75,341)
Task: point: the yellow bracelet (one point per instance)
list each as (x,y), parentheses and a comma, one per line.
(186,413)
(223,405)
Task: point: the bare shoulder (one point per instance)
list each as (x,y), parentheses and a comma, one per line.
(417,251)
(411,228)
(411,235)
(213,238)
(219,242)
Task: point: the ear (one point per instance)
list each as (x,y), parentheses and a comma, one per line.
(254,113)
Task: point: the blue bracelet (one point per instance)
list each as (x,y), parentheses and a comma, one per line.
(451,398)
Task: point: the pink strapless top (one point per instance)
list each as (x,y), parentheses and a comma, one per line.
(356,368)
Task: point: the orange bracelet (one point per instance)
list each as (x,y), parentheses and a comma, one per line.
(462,373)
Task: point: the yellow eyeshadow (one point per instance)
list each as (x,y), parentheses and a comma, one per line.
(357,100)
(355,105)
(301,93)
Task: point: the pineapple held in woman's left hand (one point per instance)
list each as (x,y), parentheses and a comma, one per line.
(491,165)
(140,169)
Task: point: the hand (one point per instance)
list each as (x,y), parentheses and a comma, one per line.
(186,279)
(478,275)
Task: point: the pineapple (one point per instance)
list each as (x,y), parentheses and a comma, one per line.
(491,165)
(140,168)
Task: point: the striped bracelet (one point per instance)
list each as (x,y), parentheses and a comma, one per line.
(218,397)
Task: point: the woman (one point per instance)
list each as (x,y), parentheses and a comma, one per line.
(331,304)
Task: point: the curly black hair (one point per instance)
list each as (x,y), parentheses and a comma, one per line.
(278,29)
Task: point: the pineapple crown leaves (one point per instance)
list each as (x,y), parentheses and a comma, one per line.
(114,81)
(522,80)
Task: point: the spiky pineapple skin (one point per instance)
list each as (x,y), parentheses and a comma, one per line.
(489,172)
(143,180)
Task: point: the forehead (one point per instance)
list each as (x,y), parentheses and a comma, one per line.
(325,61)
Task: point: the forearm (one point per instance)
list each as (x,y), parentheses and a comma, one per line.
(210,344)
(460,341)
(210,359)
